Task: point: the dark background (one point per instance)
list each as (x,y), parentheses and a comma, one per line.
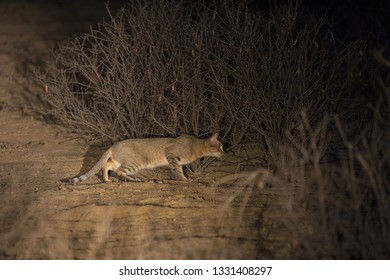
(351,18)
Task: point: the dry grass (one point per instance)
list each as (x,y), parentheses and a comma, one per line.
(167,68)
(338,209)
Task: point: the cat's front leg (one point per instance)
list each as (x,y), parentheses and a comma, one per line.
(180,173)
(176,167)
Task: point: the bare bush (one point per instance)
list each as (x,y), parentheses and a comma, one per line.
(167,68)
(339,209)
(163,68)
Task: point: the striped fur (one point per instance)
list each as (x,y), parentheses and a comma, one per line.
(128,157)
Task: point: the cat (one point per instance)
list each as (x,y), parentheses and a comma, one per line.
(127,157)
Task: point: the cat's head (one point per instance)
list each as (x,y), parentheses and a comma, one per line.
(214,146)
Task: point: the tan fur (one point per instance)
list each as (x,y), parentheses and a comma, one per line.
(127,157)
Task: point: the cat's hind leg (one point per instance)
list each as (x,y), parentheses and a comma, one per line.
(127,172)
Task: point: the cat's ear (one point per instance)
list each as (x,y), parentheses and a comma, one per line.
(214,138)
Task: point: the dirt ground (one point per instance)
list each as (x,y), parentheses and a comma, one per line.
(41,218)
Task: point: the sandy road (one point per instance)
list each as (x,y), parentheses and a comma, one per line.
(42,219)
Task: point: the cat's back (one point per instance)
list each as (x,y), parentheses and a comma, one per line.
(160,143)
(141,144)
(184,141)
(184,145)
(153,146)
(146,152)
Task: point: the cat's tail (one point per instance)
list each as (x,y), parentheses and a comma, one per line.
(102,161)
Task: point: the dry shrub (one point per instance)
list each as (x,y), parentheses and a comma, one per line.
(164,68)
(172,67)
(339,209)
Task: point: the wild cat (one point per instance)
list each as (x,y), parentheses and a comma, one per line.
(127,157)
